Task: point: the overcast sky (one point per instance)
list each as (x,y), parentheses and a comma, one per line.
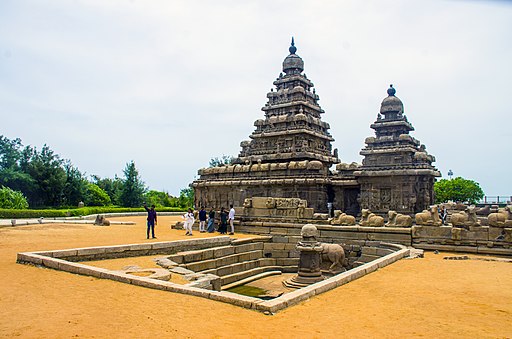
(171,84)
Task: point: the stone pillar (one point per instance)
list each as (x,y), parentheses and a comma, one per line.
(310,259)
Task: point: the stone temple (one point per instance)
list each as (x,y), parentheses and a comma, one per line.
(289,155)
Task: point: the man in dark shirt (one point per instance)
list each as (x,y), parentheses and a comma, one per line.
(202,220)
(151,220)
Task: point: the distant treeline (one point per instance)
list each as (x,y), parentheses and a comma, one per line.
(41,179)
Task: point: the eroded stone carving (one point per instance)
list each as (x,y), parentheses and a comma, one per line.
(370,219)
(398,220)
(101,220)
(343,219)
(500,219)
(428,217)
(335,254)
(465,219)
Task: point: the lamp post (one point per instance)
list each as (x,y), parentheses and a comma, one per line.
(450,174)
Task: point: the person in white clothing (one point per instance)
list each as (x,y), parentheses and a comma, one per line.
(189,221)
(231,219)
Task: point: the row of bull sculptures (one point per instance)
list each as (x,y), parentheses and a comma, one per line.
(430,217)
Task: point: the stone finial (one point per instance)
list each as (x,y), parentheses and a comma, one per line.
(391,90)
(292,48)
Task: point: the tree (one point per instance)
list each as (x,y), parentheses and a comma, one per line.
(458,189)
(159,199)
(186,198)
(95,196)
(222,161)
(132,194)
(75,186)
(45,168)
(12,199)
(113,187)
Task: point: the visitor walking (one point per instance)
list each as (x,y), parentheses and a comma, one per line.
(232,219)
(202,220)
(151,220)
(211,221)
(223,225)
(189,221)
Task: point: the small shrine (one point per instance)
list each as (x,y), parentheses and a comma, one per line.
(397,172)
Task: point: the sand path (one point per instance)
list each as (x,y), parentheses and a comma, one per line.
(428,297)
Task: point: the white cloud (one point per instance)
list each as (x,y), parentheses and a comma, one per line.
(171,84)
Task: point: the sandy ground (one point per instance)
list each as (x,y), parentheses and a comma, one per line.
(428,297)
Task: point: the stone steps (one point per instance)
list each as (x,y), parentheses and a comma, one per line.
(203,265)
(251,278)
(214,253)
(236,277)
(240,266)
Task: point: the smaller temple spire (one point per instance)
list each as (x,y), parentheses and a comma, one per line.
(391,90)
(292,48)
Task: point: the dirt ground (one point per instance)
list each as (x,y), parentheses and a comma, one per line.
(428,297)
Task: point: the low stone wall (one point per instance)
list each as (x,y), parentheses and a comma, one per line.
(476,239)
(328,233)
(61,260)
(130,250)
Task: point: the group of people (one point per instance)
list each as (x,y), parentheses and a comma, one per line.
(207,220)
(225,218)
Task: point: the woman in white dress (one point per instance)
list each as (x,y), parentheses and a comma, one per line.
(189,221)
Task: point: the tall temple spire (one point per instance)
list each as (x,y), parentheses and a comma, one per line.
(292,129)
(292,48)
(391,90)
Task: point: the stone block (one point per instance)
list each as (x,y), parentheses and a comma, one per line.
(369,250)
(324,286)
(294,254)
(384,251)
(71,267)
(177,258)
(279,254)
(297,296)
(30,258)
(258,230)
(192,256)
(246,247)
(268,261)
(225,271)
(357,272)
(223,251)
(51,263)
(116,249)
(203,265)
(287,261)
(117,276)
(234,299)
(272,247)
(495,232)
(198,292)
(278,231)
(64,253)
(494,250)
(342,279)
(259,203)
(90,251)
(280,239)
(289,247)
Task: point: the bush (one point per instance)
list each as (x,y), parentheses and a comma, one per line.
(10,199)
(76,212)
(95,196)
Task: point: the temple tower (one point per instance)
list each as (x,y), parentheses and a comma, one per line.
(292,129)
(289,154)
(397,172)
